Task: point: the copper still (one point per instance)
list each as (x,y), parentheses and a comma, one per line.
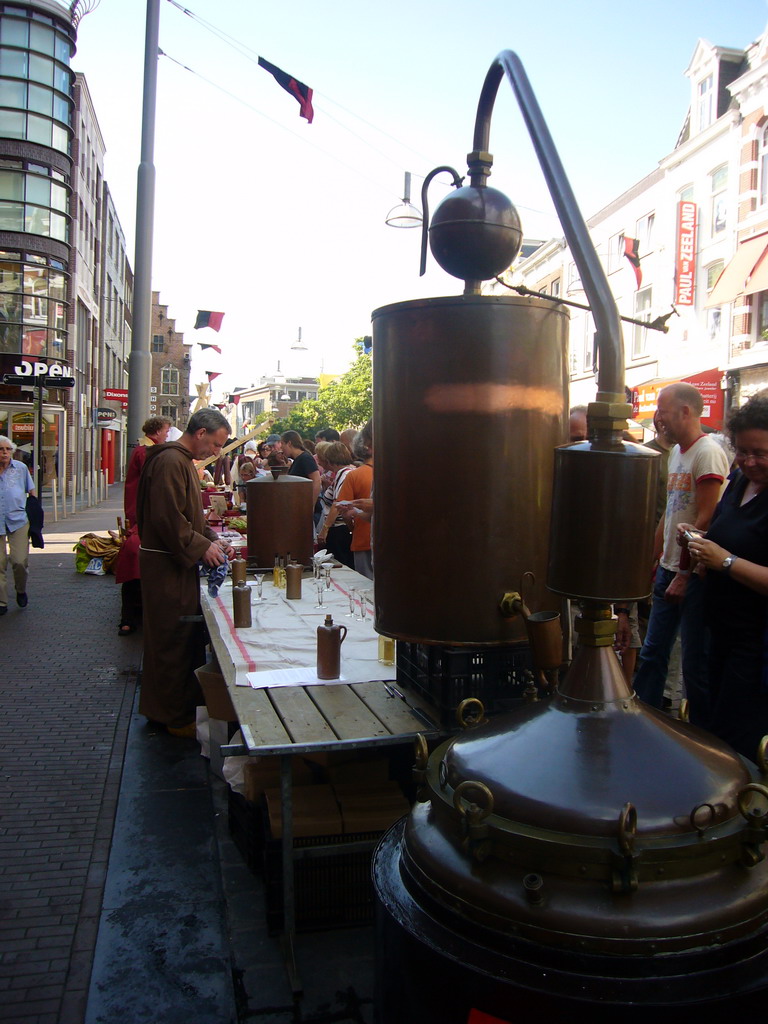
(584,853)
(583,850)
(279,520)
(459,382)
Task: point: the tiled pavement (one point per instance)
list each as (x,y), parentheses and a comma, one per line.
(71,745)
(67,682)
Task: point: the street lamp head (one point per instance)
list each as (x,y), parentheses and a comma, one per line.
(405,214)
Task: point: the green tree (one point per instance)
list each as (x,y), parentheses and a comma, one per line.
(303,418)
(346,402)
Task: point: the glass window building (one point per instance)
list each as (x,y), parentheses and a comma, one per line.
(37,41)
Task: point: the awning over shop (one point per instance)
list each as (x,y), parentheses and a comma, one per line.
(644,396)
(746,274)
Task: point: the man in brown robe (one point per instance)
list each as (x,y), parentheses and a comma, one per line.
(174,538)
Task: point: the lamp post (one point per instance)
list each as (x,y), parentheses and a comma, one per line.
(140,359)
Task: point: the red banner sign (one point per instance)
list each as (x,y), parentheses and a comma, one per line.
(116,395)
(644,396)
(685,257)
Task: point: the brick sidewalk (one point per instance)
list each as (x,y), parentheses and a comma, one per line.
(68,683)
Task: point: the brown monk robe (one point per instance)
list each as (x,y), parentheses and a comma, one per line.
(174,538)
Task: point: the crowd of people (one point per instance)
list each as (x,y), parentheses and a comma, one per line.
(708,584)
(167,539)
(710,571)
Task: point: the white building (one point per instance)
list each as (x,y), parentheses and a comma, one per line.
(692,215)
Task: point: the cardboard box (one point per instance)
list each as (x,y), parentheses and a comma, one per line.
(370,807)
(315,812)
(215,691)
(264,773)
(363,772)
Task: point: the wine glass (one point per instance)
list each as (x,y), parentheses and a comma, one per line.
(320,588)
(327,576)
(365,614)
(351,595)
(259,586)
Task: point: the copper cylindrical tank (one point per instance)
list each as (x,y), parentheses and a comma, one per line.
(470,401)
(279,520)
(603,514)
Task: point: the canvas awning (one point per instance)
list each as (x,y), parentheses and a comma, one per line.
(746,274)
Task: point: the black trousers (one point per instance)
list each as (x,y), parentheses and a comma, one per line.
(738,694)
(338,542)
(130,608)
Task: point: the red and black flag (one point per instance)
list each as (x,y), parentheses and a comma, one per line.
(234,399)
(297,89)
(211,375)
(631,249)
(215,348)
(205,318)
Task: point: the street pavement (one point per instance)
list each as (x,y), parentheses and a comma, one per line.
(68,683)
(122,896)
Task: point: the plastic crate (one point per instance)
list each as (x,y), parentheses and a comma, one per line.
(332,881)
(445,676)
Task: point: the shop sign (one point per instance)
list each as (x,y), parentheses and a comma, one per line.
(23,380)
(23,425)
(33,367)
(645,396)
(105,415)
(116,395)
(685,257)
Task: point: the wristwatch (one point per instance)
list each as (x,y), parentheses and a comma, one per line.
(728,562)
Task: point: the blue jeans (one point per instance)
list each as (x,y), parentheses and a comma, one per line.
(666,618)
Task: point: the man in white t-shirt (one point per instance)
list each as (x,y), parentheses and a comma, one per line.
(698,468)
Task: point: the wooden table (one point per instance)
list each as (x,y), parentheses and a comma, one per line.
(371,711)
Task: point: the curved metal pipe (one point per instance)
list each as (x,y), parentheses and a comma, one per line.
(457,180)
(608,336)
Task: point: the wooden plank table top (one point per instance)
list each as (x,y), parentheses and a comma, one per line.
(300,719)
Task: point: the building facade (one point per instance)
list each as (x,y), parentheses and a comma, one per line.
(65,281)
(688,220)
(37,41)
(171,361)
(275,395)
(84,308)
(116,299)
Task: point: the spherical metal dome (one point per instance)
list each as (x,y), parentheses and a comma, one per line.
(475,233)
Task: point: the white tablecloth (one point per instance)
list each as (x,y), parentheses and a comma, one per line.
(283,633)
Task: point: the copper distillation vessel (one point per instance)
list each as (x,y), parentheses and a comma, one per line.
(584,853)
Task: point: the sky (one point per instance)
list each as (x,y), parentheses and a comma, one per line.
(280,224)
